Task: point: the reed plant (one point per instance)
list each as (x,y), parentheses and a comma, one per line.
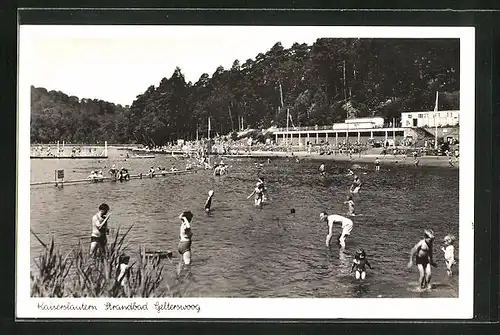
(79,274)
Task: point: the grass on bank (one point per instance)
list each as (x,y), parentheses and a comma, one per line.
(77,274)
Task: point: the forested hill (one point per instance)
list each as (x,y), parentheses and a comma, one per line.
(319,84)
(56,116)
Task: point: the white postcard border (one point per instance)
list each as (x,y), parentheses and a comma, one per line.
(265,308)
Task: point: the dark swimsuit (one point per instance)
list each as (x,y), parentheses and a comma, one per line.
(422,260)
(360,265)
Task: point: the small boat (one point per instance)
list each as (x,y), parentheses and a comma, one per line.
(143,156)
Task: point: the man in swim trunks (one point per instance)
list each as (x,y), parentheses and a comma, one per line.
(99,231)
(346,223)
(184,246)
(423,252)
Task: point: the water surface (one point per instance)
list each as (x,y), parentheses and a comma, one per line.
(241,251)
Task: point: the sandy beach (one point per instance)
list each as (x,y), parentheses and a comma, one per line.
(436,161)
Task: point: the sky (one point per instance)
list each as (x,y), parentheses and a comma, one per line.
(117,65)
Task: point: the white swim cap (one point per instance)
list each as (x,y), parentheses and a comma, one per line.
(429,233)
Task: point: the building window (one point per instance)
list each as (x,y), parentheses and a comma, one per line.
(409,116)
(419,116)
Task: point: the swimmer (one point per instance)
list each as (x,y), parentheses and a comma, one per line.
(377,164)
(93,176)
(359,263)
(259,194)
(350,204)
(451,162)
(186,235)
(151,172)
(356,185)
(113,171)
(347,225)
(100,230)
(322,169)
(349,173)
(449,253)
(217,171)
(423,252)
(208,203)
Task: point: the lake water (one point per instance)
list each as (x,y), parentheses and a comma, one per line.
(241,251)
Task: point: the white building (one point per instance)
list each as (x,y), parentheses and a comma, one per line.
(429,119)
(367,122)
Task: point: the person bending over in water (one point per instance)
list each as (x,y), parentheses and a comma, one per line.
(208,203)
(186,235)
(423,252)
(356,185)
(350,204)
(359,264)
(449,253)
(347,225)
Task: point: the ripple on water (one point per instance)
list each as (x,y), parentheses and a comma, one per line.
(241,251)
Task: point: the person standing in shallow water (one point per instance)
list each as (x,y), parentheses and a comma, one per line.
(98,239)
(208,203)
(322,169)
(186,235)
(423,258)
(350,204)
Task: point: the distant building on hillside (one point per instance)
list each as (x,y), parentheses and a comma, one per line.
(366,122)
(429,119)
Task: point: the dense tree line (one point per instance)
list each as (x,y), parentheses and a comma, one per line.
(320,84)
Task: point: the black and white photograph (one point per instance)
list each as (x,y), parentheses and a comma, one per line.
(245,172)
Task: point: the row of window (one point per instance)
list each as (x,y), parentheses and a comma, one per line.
(427,115)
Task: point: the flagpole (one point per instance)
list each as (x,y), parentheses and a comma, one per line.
(435,122)
(208,128)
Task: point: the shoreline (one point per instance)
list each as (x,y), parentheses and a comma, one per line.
(434,161)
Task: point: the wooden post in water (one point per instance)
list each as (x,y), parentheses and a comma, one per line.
(105,148)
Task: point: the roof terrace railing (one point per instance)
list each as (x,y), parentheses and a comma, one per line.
(341,126)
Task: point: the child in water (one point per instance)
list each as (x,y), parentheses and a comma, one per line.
(360,262)
(356,185)
(208,203)
(350,204)
(449,253)
(123,273)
